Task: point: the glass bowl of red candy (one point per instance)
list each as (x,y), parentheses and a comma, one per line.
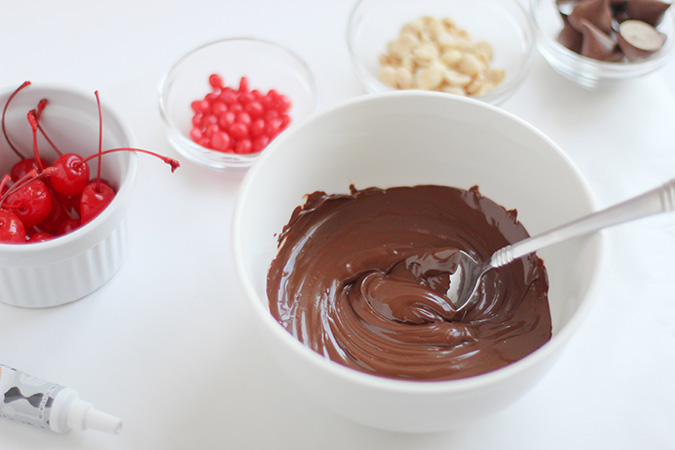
(54,248)
(223,102)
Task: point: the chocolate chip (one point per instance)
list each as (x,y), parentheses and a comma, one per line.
(598,45)
(569,36)
(596,12)
(649,11)
(639,40)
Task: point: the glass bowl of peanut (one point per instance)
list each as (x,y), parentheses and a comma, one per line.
(481,49)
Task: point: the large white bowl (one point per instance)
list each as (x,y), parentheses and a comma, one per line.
(71,266)
(410,138)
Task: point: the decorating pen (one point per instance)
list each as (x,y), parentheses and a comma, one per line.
(34,401)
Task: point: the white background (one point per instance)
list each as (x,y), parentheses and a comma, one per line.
(168,344)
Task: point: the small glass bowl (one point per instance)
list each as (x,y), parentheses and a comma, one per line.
(588,72)
(265,64)
(502,23)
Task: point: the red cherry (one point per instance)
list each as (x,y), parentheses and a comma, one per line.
(31,203)
(12,230)
(72,174)
(71,203)
(25,166)
(95,198)
(68,226)
(41,237)
(57,215)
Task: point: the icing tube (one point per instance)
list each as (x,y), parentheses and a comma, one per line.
(32,400)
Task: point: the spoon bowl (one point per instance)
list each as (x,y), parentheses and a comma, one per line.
(468,272)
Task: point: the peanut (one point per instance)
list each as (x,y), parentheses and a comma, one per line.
(437,55)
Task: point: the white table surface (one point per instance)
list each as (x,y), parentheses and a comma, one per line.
(168,344)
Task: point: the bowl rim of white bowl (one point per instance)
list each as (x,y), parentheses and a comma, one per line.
(423,387)
(86,235)
(501,93)
(226,160)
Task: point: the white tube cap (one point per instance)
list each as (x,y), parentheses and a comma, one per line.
(84,416)
(98,420)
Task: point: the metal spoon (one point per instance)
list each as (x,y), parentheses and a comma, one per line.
(464,280)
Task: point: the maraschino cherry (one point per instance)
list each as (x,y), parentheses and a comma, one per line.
(39,201)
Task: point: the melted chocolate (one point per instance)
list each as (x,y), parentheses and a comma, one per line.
(360,279)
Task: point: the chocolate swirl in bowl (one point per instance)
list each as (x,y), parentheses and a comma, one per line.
(360,279)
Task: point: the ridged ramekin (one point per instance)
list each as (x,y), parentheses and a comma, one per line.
(71,266)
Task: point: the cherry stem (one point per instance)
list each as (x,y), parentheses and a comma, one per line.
(41,106)
(32,119)
(49,140)
(4,113)
(100,141)
(172,162)
(6,179)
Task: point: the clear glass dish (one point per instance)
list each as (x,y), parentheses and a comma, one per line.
(266,65)
(588,72)
(502,23)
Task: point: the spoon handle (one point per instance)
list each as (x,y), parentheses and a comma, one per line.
(661,199)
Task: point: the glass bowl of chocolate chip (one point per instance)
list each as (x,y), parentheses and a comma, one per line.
(603,43)
(480,49)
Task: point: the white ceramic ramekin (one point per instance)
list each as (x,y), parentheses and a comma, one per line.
(74,265)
